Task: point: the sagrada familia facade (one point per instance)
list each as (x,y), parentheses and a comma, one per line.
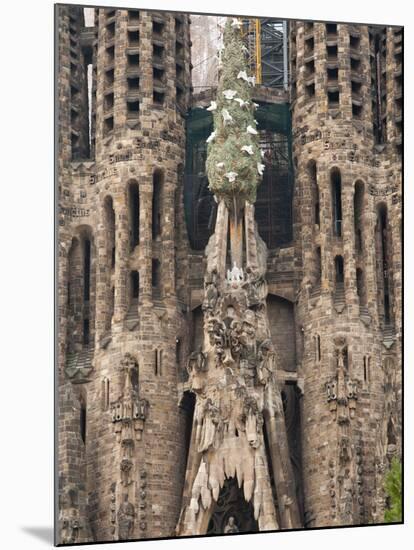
(229,277)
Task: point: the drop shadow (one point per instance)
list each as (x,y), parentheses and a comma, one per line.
(43,533)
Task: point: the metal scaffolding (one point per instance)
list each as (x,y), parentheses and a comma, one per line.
(267,43)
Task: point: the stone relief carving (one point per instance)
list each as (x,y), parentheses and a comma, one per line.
(128,414)
(125,517)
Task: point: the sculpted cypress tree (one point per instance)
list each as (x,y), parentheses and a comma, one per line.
(234,166)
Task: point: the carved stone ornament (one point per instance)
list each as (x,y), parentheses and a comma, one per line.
(125,517)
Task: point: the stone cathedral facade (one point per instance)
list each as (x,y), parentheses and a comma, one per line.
(225,366)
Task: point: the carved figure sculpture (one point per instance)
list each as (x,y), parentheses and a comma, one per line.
(125,516)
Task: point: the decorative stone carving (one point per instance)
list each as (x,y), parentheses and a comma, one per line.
(129,410)
(231,526)
(125,517)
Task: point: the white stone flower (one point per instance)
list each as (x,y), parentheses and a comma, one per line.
(220,164)
(229,94)
(260,168)
(248,149)
(211,137)
(262,153)
(256,105)
(226,116)
(251,130)
(213,106)
(231,176)
(236,23)
(241,102)
(243,76)
(251,80)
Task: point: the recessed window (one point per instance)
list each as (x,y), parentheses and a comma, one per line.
(310,90)
(309,46)
(134,285)
(133,108)
(333,97)
(108,125)
(178,25)
(109,102)
(158,74)
(109,77)
(156,273)
(133,16)
(179,48)
(158,97)
(355,64)
(133,60)
(133,38)
(332,74)
(157,27)
(110,54)
(331,28)
(354,42)
(356,110)
(158,51)
(332,52)
(133,83)
(110,31)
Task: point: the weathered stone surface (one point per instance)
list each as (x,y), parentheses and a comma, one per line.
(137,305)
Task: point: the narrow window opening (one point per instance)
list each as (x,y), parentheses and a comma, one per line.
(157,27)
(110,55)
(333,98)
(336,190)
(309,46)
(158,97)
(133,109)
(110,31)
(155,274)
(332,74)
(178,351)
(318,339)
(108,125)
(133,16)
(158,74)
(332,52)
(178,26)
(354,42)
(318,266)
(355,64)
(158,52)
(157,197)
(109,102)
(133,38)
(86,332)
(134,285)
(339,270)
(82,422)
(133,60)
(331,28)
(358,215)
(109,77)
(134,215)
(310,90)
(86,270)
(361,287)
(133,84)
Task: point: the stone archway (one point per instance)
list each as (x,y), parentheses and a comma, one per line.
(231,503)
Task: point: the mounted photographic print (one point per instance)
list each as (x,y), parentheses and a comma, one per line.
(229,282)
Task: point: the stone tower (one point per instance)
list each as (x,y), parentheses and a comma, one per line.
(124,86)
(346,119)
